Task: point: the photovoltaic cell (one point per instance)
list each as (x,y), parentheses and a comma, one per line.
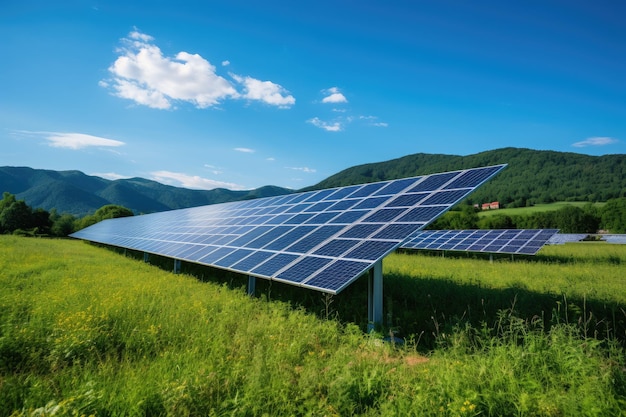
(319,239)
(433,182)
(527,242)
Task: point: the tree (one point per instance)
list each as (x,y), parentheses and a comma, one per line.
(110,211)
(40,220)
(613,215)
(497,221)
(572,219)
(466,218)
(15,216)
(63,225)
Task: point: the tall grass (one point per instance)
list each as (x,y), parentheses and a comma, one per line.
(582,284)
(85,331)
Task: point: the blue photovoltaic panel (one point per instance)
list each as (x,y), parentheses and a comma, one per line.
(618,239)
(526,242)
(322,239)
(562,238)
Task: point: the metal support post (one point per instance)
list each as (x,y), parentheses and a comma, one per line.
(146,257)
(375,296)
(177,266)
(251,285)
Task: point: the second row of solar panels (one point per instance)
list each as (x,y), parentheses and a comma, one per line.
(527,242)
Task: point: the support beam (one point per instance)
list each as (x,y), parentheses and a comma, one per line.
(146,257)
(251,285)
(177,266)
(375,296)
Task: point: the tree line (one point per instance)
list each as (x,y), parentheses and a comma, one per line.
(16,217)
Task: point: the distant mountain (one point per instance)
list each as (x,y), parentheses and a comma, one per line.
(79,194)
(531,177)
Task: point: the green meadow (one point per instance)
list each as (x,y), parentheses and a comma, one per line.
(537,208)
(85,330)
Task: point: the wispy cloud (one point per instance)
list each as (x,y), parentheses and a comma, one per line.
(373,121)
(327,126)
(192,181)
(303,169)
(144,75)
(343,116)
(333,95)
(595,141)
(73,140)
(109,175)
(244,150)
(214,170)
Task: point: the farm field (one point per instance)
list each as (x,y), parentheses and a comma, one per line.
(537,208)
(87,331)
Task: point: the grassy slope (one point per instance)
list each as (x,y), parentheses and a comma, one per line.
(86,331)
(537,208)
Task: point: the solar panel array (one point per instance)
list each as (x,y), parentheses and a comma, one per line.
(322,239)
(617,239)
(526,242)
(562,238)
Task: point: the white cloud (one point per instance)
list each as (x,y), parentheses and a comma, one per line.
(303,169)
(271,159)
(595,141)
(140,36)
(265,91)
(142,73)
(329,127)
(192,181)
(334,96)
(214,170)
(74,140)
(244,150)
(110,175)
(372,121)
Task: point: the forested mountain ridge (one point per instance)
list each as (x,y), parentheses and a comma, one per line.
(531,176)
(79,194)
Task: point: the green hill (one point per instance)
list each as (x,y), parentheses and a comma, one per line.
(531,177)
(79,194)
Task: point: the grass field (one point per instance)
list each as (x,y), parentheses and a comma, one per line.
(537,208)
(86,331)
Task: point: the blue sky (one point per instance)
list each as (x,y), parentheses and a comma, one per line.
(241,94)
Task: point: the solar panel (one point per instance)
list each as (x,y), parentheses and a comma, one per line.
(527,242)
(617,239)
(322,240)
(562,238)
